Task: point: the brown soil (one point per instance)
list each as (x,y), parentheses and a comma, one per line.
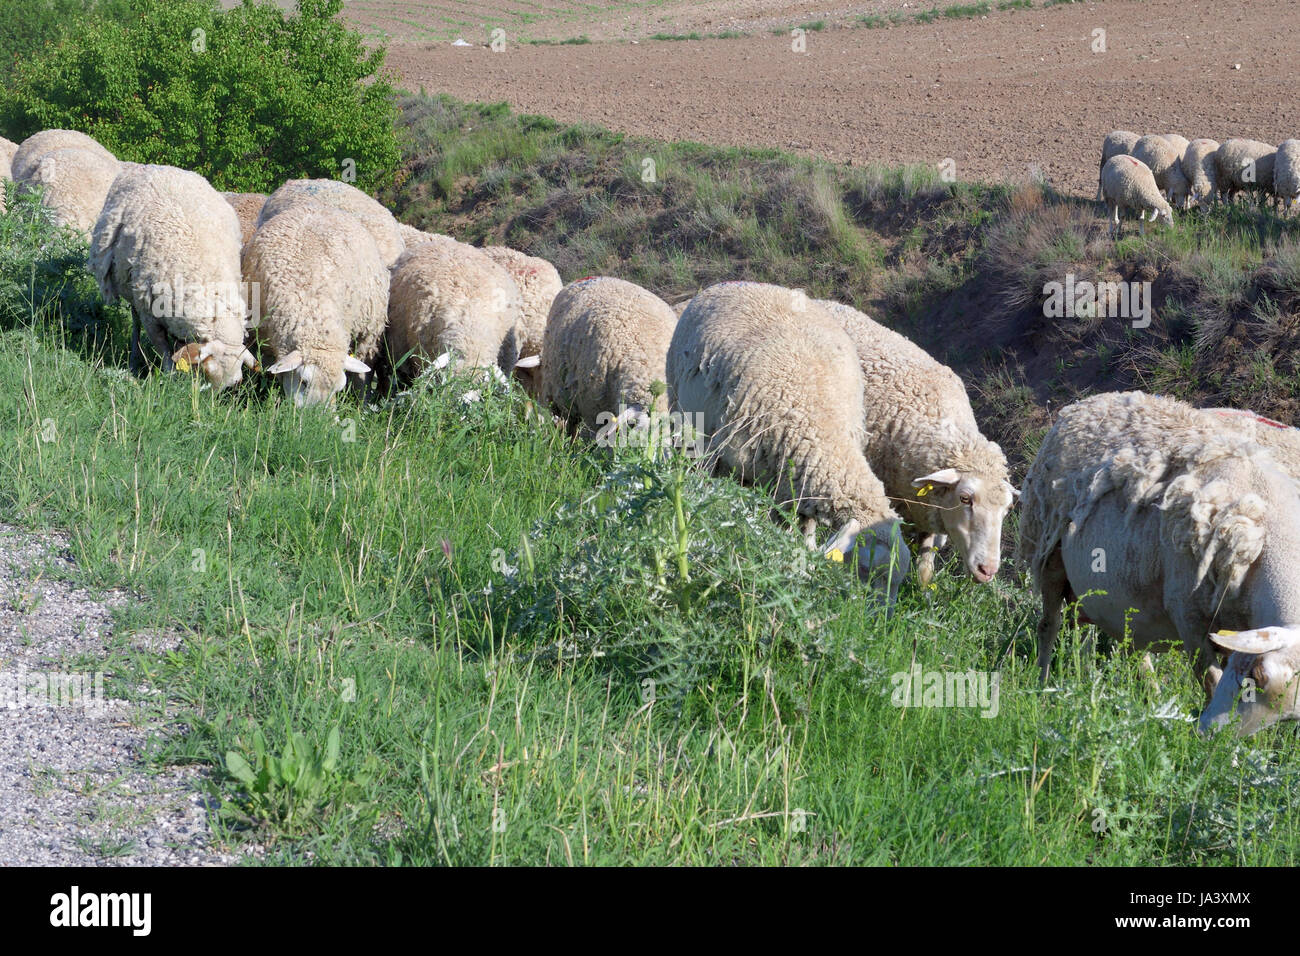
(1000,96)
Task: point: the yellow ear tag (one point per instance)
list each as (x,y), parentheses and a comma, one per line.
(1225,633)
(182,365)
(835,554)
(924,490)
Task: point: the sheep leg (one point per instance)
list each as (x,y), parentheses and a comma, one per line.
(808,526)
(1054,586)
(158,338)
(137,354)
(930,545)
(1114,221)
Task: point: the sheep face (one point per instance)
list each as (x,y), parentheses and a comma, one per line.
(972,509)
(222,365)
(1259,682)
(314,382)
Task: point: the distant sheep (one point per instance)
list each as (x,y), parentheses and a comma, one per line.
(777,383)
(1164,525)
(451,297)
(1202,170)
(1127,184)
(247,206)
(1286,174)
(379,222)
(539,283)
(1245,165)
(1166,164)
(1118,142)
(169,244)
(605,345)
(322,295)
(74,183)
(7,150)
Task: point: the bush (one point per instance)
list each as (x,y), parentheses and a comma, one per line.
(30,25)
(249,97)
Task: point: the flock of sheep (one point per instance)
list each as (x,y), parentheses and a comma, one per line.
(1191,517)
(1151,174)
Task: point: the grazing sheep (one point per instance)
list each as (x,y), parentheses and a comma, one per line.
(539,283)
(450,297)
(169,244)
(1127,183)
(1286,174)
(1166,164)
(75,183)
(1118,142)
(7,150)
(1269,658)
(1165,527)
(29,153)
(922,442)
(775,383)
(247,206)
(383,228)
(1201,169)
(1245,164)
(605,345)
(322,292)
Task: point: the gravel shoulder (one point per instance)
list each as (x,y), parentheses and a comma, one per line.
(73,791)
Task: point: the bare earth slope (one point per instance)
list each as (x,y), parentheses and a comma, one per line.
(995,95)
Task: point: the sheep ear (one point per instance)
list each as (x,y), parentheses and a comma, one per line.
(287,364)
(946,476)
(1259,641)
(842,543)
(530,361)
(187,357)
(354,364)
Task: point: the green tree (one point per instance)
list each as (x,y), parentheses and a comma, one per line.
(248,97)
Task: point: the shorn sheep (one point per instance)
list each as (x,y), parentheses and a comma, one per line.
(1118,142)
(29,153)
(1286,174)
(605,345)
(169,244)
(776,385)
(1202,170)
(322,294)
(1166,526)
(1166,164)
(1245,165)
(449,297)
(7,150)
(539,283)
(924,445)
(247,206)
(74,184)
(369,212)
(1127,184)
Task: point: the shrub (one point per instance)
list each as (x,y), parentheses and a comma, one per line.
(248,97)
(30,25)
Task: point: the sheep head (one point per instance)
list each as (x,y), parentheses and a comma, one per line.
(222,364)
(315,380)
(883,559)
(1258,683)
(972,497)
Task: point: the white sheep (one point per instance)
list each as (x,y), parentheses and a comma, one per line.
(1202,170)
(451,297)
(539,283)
(1127,183)
(1245,164)
(1118,142)
(248,207)
(924,445)
(1286,174)
(383,228)
(28,155)
(1164,524)
(168,244)
(775,384)
(74,183)
(605,345)
(1165,161)
(321,288)
(7,150)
